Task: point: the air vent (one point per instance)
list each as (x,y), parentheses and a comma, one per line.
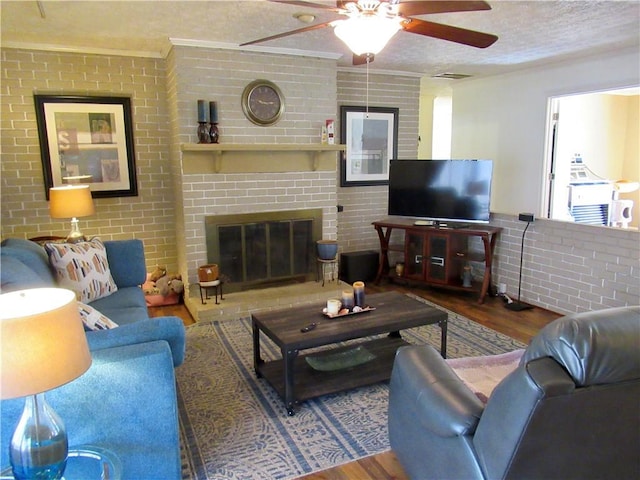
(451,76)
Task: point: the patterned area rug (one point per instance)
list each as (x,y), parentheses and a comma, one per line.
(234,426)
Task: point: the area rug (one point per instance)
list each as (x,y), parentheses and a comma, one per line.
(234,426)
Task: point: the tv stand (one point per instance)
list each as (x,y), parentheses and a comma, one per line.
(436,255)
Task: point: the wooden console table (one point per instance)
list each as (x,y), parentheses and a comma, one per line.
(436,255)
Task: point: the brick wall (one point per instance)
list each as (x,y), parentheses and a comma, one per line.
(568,267)
(25,210)
(363,205)
(309,88)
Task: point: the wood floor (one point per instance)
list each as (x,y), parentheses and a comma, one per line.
(519,325)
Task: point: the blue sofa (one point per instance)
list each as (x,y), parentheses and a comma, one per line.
(126,402)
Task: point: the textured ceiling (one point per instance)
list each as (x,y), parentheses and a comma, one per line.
(530,32)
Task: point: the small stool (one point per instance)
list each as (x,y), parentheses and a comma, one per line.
(216,285)
(333,263)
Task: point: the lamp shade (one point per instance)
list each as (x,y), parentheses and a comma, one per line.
(71,201)
(366,33)
(42,341)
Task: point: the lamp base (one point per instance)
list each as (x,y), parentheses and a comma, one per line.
(75,235)
(39,445)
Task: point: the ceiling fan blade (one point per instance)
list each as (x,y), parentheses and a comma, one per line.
(408,9)
(447,32)
(300,3)
(286,34)
(362,59)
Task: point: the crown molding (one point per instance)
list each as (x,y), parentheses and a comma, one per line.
(183,42)
(200,44)
(84,50)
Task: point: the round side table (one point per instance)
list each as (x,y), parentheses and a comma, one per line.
(204,290)
(86,462)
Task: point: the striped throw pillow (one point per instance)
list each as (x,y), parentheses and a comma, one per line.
(82,267)
(93,319)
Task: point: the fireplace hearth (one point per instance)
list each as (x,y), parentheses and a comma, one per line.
(256,250)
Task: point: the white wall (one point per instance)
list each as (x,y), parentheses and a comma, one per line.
(503,118)
(363,205)
(568,267)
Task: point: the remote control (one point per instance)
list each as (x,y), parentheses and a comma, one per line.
(308,328)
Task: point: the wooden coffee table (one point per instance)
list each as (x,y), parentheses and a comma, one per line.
(292,376)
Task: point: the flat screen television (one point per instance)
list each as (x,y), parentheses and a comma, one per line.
(441,190)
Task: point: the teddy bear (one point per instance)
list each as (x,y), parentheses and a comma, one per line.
(170,283)
(161,283)
(157,273)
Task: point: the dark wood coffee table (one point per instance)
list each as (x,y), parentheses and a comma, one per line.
(295,380)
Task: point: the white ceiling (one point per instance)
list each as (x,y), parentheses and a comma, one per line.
(530,32)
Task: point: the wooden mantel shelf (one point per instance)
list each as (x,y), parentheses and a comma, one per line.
(261,147)
(257,157)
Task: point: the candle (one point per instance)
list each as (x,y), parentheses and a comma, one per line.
(358,293)
(347,299)
(202,111)
(213,112)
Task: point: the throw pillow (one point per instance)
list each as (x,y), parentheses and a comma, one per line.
(93,319)
(82,267)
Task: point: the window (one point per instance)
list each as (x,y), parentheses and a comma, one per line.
(592,145)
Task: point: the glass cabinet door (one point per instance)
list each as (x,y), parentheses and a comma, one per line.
(437,268)
(414,247)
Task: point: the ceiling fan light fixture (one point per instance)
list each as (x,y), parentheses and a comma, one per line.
(366,33)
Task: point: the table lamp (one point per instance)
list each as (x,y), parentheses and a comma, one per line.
(71,201)
(42,346)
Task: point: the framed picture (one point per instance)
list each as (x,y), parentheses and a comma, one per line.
(371,139)
(87,140)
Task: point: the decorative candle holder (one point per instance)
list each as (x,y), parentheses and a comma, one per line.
(203,133)
(348,300)
(358,293)
(214,134)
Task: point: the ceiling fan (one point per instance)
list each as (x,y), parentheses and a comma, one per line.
(370,24)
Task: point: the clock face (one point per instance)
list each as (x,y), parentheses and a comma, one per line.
(262,102)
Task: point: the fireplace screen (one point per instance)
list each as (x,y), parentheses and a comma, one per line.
(273,247)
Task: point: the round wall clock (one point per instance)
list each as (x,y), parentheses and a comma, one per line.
(262,102)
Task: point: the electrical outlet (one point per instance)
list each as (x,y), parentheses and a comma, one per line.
(526,217)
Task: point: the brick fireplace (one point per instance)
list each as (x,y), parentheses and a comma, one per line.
(255,181)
